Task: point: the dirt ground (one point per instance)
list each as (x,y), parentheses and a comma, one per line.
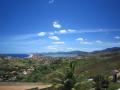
(21,86)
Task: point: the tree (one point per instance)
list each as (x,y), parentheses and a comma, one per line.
(68,79)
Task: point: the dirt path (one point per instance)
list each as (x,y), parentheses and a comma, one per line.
(21,86)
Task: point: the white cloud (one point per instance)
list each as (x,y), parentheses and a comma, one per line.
(51,33)
(62,31)
(98,30)
(66,31)
(60,42)
(83,41)
(56,25)
(71,49)
(42,34)
(117,37)
(71,31)
(51,1)
(80,39)
(99,41)
(54,37)
(52,47)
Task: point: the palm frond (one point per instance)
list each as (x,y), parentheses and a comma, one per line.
(57,80)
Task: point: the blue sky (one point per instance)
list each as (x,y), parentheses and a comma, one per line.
(28,26)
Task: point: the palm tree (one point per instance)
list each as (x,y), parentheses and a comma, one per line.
(68,79)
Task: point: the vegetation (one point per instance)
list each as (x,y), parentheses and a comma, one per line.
(75,74)
(67,80)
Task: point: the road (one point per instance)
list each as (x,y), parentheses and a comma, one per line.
(21,86)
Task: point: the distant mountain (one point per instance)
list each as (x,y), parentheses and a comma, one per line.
(111,49)
(78,52)
(108,50)
(81,53)
(70,52)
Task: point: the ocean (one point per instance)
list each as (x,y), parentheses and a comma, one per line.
(17,55)
(29,55)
